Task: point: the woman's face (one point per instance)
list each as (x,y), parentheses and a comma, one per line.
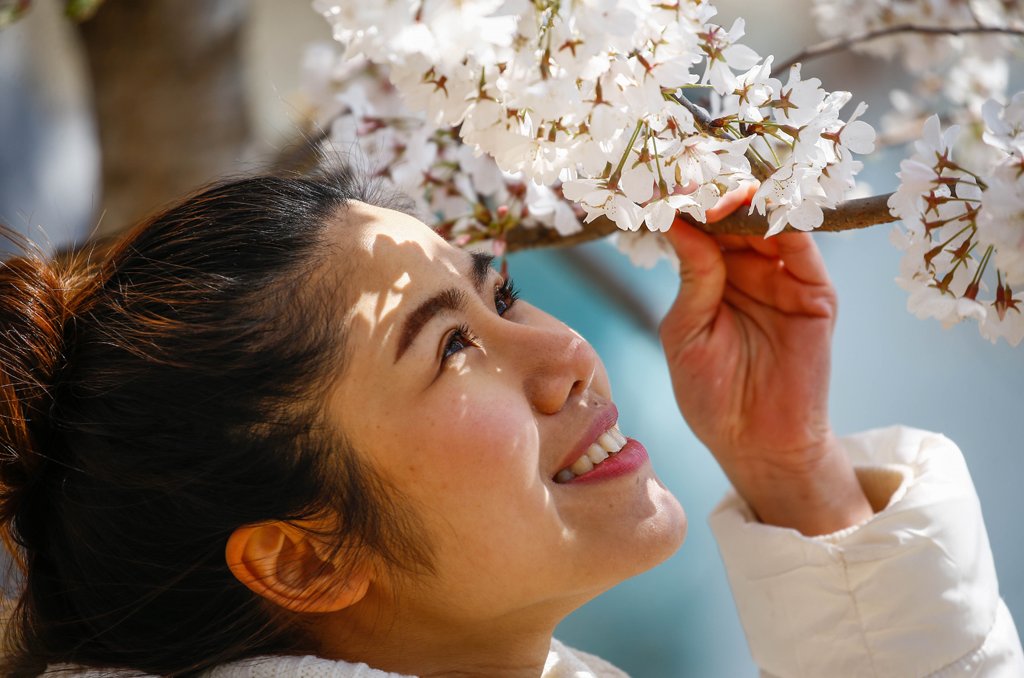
(470,408)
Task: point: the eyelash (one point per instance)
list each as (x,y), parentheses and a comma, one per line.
(505,293)
(505,296)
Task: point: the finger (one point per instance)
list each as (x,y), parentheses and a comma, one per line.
(764,280)
(732,242)
(731,201)
(802,257)
(768,282)
(702,281)
(764,246)
(686,189)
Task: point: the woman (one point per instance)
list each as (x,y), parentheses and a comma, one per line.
(284,419)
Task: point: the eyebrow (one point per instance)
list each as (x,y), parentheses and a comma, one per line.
(448,299)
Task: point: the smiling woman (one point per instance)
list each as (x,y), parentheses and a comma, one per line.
(284,427)
(490,399)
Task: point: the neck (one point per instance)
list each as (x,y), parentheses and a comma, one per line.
(428,643)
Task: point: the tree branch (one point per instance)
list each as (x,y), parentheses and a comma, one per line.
(850,215)
(840,44)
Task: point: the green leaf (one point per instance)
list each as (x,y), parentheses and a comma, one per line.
(80,10)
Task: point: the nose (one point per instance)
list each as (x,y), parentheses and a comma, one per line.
(555,363)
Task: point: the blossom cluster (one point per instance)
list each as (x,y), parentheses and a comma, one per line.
(963,228)
(922,52)
(464,194)
(963,218)
(502,114)
(594,93)
(955,73)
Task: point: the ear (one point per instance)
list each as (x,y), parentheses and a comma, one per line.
(291,568)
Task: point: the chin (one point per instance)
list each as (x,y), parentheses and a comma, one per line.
(655,533)
(649,532)
(664,530)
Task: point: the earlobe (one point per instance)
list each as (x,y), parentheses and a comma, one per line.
(290,567)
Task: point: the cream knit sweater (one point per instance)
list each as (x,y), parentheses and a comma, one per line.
(562,662)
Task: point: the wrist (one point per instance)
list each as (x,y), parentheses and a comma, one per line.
(818,495)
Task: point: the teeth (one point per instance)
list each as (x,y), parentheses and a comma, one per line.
(597,453)
(582,465)
(608,443)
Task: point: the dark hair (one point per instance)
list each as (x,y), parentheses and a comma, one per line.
(156,398)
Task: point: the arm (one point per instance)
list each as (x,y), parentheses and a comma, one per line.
(748,343)
(884,570)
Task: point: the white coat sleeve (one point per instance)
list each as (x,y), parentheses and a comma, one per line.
(911,592)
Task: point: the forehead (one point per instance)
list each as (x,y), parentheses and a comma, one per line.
(393,261)
(381,243)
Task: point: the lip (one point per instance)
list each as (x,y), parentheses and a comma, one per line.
(632,456)
(604,420)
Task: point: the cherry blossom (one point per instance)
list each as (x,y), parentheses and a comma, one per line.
(920,52)
(725,54)
(1001,222)
(464,192)
(1005,125)
(594,91)
(963,232)
(645,249)
(954,74)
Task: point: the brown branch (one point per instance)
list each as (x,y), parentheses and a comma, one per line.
(534,238)
(840,44)
(305,153)
(850,215)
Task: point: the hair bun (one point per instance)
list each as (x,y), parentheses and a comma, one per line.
(33,315)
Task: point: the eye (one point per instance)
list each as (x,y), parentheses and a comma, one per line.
(461,337)
(505,296)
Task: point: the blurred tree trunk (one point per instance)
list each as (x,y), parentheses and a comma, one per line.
(170,102)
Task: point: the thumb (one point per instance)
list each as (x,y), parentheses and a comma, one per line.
(702,283)
(732,201)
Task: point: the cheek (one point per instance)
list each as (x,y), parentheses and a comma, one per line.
(471,436)
(476,465)
(489,427)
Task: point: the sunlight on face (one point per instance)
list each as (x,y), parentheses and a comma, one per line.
(469,404)
(393,297)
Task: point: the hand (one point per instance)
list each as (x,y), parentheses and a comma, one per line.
(748,343)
